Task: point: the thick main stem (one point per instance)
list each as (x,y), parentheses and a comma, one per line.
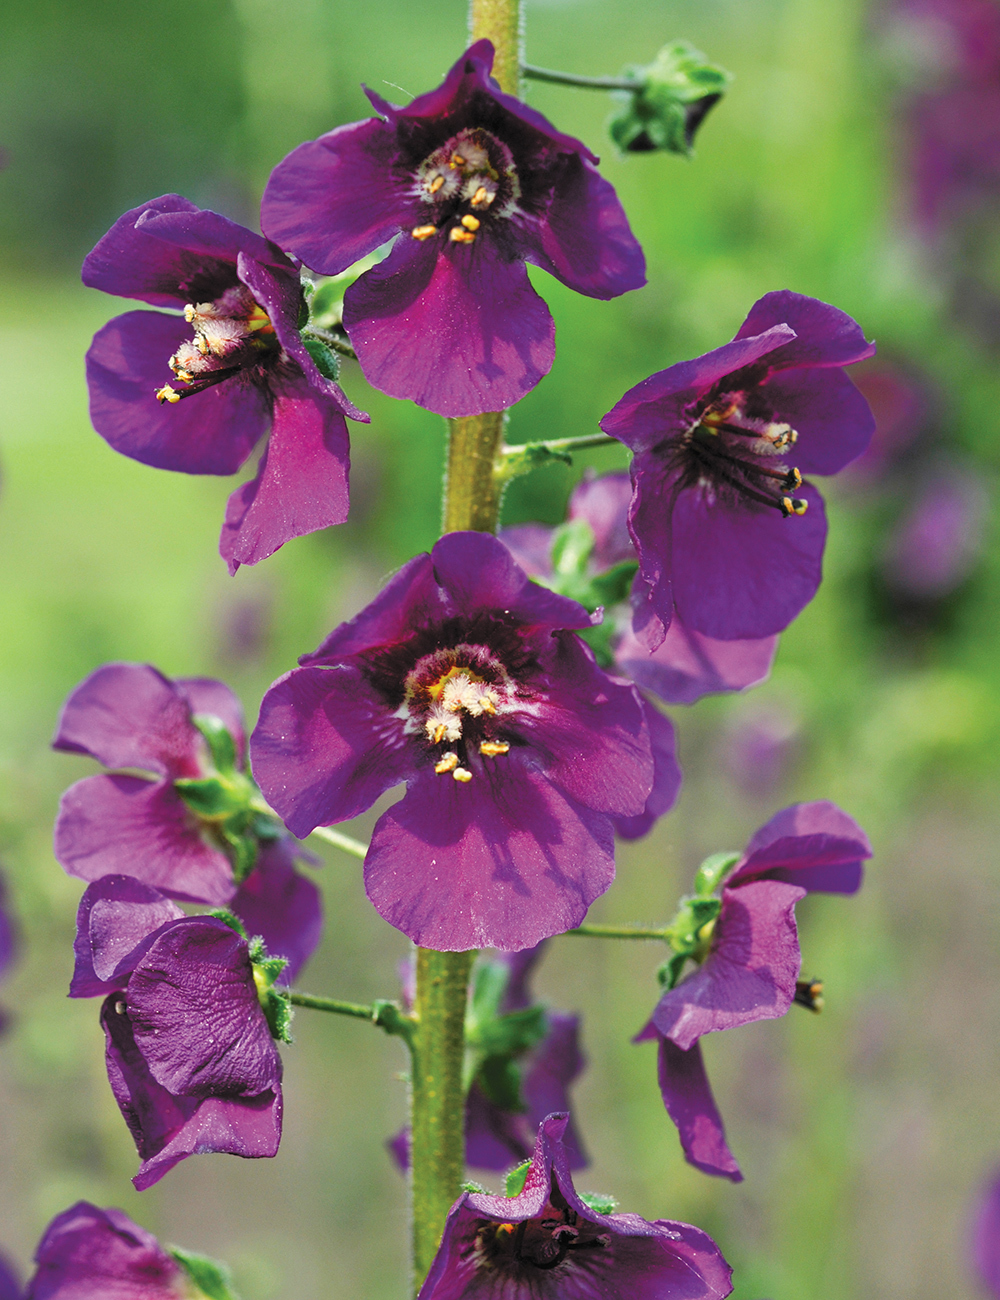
(500,22)
(437,1097)
(473,487)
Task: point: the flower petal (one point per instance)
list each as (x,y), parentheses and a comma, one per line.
(281,906)
(204,235)
(211,432)
(750,973)
(689,665)
(477,336)
(650,523)
(667,777)
(603,502)
(192,1003)
(125,825)
(115,925)
(130,715)
(811,845)
(742,572)
(301,485)
(688,1098)
(206,695)
(335,199)
(824,335)
(502,862)
(326,747)
(834,422)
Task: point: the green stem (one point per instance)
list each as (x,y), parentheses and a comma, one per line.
(346,842)
(556,445)
(335,1005)
(332,341)
(473,487)
(500,22)
(572,79)
(437,1097)
(621,931)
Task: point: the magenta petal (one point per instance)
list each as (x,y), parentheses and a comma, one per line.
(115,924)
(750,973)
(326,747)
(531,547)
(204,235)
(986,1237)
(811,845)
(649,522)
(130,715)
(301,485)
(742,572)
(688,1098)
(667,776)
(834,422)
(167,1129)
(124,825)
(824,335)
(502,862)
(603,503)
(206,695)
(211,432)
(195,1015)
(92,1254)
(584,238)
(689,665)
(453,328)
(281,906)
(554,1064)
(352,164)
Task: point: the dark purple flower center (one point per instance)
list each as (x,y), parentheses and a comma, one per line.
(232,334)
(544,1242)
(455,699)
(467,184)
(733,449)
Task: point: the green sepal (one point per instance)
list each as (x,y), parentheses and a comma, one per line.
(275,1003)
(523,459)
(601,639)
(229,918)
(219,739)
(572,544)
(673,96)
(326,361)
(212,797)
(515,1180)
(472,1187)
(670,972)
(510,1035)
(211,1278)
(239,846)
(689,935)
(599,1202)
(713,871)
(499,1078)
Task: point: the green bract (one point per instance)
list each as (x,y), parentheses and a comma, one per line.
(209,1277)
(672,98)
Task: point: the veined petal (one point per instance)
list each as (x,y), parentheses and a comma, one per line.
(811,845)
(667,777)
(116,921)
(689,664)
(824,335)
(834,422)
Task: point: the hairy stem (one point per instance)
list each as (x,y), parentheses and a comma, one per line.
(500,22)
(356,1009)
(621,931)
(437,1097)
(572,79)
(339,840)
(472,488)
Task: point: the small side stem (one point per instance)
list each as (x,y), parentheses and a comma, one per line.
(556,445)
(621,932)
(572,79)
(340,841)
(437,1097)
(356,1009)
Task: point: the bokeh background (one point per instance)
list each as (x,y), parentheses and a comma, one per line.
(856,159)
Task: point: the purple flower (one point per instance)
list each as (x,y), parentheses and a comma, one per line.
(748,961)
(723,543)
(92,1254)
(548,1241)
(190,1054)
(10,1287)
(933,547)
(471,184)
(237,351)
(184,828)
(986,1237)
(462,679)
(8,947)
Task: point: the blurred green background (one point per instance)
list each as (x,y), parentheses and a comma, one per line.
(864,1133)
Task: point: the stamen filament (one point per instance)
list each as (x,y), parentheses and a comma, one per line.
(753,493)
(168,394)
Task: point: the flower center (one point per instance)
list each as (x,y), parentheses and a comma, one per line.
(469,180)
(230,334)
(455,699)
(542,1243)
(728,446)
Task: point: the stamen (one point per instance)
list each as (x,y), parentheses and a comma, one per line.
(456,160)
(460,236)
(424,232)
(753,493)
(491,748)
(793,506)
(119,1008)
(448,763)
(167,394)
(462,774)
(201,343)
(809,994)
(482,198)
(470,222)
(190,312)
(440,731)
(436,184)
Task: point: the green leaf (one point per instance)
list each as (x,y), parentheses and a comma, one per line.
(220,742)
(500,1079)
(326,361)
(673,96)
(211,797)
(489,984)
(601,638)
(572,543)
(613,586)
(511,1035)
(713,871)
(228,918)
(515,1180)
(599,1202)
(210,1277)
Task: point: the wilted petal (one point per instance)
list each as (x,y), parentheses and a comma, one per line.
(689,664)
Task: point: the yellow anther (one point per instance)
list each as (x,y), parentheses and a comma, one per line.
(460,236)
(190,312)
(470,222)
(185,376)
(167,394)
(457,160)
(799,507)
(201,343)
(447,764)
(482,198)
(486,704)
(423,232)
(462,774)
(440,731)
(795,479)
(436,184)
(493,747)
